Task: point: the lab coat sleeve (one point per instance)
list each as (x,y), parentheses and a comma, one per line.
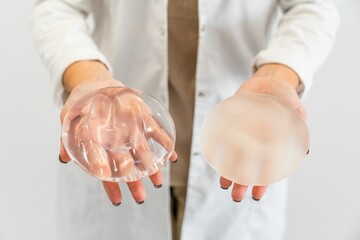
(62,37)
(303,39)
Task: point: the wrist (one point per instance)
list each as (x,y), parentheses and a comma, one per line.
(82,72)
(279,72)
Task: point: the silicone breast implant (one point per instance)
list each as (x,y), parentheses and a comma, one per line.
(118,134)
(254,139)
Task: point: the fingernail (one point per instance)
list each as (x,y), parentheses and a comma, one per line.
(256,199)
(224,188)
(158,186)
(237,201)
(307,151)
(140,202)
(61,160)
(116,204)
(175,161)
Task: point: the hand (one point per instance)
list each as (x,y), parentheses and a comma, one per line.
(276,80)
(99,117)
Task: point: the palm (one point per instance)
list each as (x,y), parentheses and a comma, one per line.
(274,87)
(111,138)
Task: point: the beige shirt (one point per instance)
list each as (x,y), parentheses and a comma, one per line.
(182,47)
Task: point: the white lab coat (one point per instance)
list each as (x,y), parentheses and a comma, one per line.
(130,37)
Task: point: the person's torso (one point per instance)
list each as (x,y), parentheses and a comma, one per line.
(133,35)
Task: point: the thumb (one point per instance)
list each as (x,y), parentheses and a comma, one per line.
(63,156)
(301,110)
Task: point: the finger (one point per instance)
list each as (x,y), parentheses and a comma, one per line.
(74,127)
(89,144)
(143,156)
(112,189)
(155,131)
(123,162)
(157,179)
(238,192)
(301,110)
(137,191)
(63,156)
(174,157)
(225,183)
(258,192)
(95,158)
(72,136)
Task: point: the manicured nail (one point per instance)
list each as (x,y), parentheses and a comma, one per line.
(140,202)
(307,151)
(256,199)
(116,204)
(175,161)
(224,188)
(237,201)
(61,160)
(158,186)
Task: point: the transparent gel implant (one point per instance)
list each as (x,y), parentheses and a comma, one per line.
(119,134)
(254,139)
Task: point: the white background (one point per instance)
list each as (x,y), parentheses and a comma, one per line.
(324,201)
